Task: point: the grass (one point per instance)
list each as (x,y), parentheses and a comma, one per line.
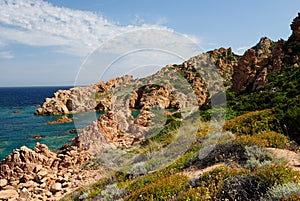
(163,189)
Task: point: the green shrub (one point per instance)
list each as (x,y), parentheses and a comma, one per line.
(88,191)
(209,185)
(276,174)
(275,140)
(164,136)
(286,191)
(265,139)
(253,123)
(242,187)
(160,190)
(180,163)
(251,140)
(198,193)
(258,157)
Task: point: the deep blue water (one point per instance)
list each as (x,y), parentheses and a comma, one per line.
(18,129)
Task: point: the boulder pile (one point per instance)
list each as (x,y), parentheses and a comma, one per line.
(40,174)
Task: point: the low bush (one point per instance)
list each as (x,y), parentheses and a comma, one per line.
(266,139)
(209,185)
(258,158)
(242,188)
(227,152)
(180,163)
(276,140)
(276,174)
(287,191)
(160,190)
(253,123)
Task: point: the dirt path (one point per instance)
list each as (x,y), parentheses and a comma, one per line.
(193,172)
(293,158)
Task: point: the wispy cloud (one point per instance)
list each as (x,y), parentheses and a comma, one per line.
(162,20)
(38,23)
(6,55)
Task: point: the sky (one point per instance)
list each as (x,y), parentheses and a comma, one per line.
(45,43)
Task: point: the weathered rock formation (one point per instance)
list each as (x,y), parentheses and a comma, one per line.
(40,174)
(61,120)
(152,96)
(173,87)
(225,61)
(292,46)
(95,97)
(295,26)
(266,57)
(251,65)
(168,88)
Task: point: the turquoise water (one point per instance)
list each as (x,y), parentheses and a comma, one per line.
(18,129)
(135,113)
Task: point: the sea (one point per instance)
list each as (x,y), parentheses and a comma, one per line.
(19,126)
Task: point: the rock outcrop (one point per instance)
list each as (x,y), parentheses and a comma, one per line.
(292,46)
(152,96)
(266,57)
(225,61)
(95,97)
(295,26)
(251,65)
(114,129)
(168,88)
(61,120)
(40,174)
(173,87)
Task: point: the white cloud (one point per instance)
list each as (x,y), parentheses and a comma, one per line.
(144,50)
(38,23)
(2,44)
(6,55)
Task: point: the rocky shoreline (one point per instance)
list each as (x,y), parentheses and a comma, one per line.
(40,174)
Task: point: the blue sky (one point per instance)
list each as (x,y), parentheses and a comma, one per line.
(45,42)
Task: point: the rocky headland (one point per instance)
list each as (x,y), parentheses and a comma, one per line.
(41,174)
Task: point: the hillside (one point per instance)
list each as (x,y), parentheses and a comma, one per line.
(177,146)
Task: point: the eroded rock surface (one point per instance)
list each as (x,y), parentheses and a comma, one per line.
(95,97)
(40,174)
(61,120)
(267,57)
(251,67)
